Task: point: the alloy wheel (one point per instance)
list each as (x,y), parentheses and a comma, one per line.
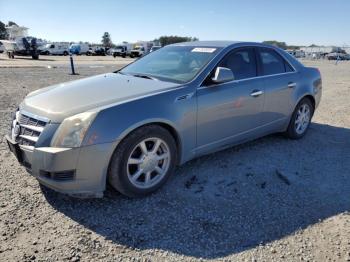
(148,163)
(302,119)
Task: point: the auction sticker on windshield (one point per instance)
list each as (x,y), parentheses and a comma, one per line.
(203,50)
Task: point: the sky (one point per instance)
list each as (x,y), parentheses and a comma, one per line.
(297,22)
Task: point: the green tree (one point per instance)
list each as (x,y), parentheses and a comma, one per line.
(167,40)
(3,32)
(10,23)
(282,45)
(293,47)
(106,40)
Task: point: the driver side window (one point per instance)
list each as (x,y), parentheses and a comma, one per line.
(242,63)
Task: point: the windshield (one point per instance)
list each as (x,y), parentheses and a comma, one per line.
(178,64)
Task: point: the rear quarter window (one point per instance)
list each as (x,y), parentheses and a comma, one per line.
(273,63)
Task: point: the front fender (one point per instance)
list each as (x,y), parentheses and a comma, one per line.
(116,122)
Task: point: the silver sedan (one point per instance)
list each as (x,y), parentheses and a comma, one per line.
(132,127)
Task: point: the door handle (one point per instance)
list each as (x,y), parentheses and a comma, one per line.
(256,93)
(292,84)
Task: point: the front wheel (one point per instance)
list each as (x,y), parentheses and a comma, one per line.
(143,161)
(301,119)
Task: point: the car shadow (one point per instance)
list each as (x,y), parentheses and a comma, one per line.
(230,201)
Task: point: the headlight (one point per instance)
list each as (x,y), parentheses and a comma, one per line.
(72,130)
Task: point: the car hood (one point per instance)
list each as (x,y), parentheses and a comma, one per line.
(63,100)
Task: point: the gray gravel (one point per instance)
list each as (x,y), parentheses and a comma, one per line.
(272,199)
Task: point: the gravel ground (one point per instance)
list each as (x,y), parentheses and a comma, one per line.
(272,199)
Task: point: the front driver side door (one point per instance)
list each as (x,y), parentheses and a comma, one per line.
(230,112)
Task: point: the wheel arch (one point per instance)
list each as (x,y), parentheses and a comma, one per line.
(157,122)
(310,97)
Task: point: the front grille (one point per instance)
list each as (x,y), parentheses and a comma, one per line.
(26,120)
(30,129)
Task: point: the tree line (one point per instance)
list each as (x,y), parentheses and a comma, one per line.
(3,33)
(163,40)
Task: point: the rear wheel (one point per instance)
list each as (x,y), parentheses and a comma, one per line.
(301,119)
(143,161)
(65,53)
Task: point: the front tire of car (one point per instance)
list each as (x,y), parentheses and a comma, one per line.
(301,119)
(143,161)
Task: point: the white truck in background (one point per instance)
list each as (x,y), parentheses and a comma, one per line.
(141,48)
(122,50)
(55,49)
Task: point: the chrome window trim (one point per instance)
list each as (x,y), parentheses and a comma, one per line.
(200,87)
(245,79)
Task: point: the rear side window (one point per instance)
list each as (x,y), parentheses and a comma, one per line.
(273,63)
(241,62)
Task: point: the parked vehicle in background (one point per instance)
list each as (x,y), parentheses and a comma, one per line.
(79,49)
(2,48)
(154,48)
(21,47)
(141,48)
(338,56)
(296,53)
(122,50)
(133,126)
(55,49)
(97,51)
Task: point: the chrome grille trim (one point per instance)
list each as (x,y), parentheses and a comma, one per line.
(30,138)
(30,148)
(31,126)
(34,128)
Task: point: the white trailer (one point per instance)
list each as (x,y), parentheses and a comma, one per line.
(55,49)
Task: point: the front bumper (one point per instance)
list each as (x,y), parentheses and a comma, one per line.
(74,171)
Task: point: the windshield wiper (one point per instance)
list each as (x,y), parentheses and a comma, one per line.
(144,76)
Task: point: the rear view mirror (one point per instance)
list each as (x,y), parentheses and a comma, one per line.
(222,75)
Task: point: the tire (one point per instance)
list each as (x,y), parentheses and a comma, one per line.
(293,131)
(130,178)
(65,53)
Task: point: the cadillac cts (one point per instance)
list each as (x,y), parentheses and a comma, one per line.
(132,127)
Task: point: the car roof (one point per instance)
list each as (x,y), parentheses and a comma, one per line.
(215,43)
(222,44)
(228,44)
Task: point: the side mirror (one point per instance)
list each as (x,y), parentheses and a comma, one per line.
(222,75)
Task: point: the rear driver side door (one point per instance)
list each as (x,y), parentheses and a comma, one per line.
(280,81)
